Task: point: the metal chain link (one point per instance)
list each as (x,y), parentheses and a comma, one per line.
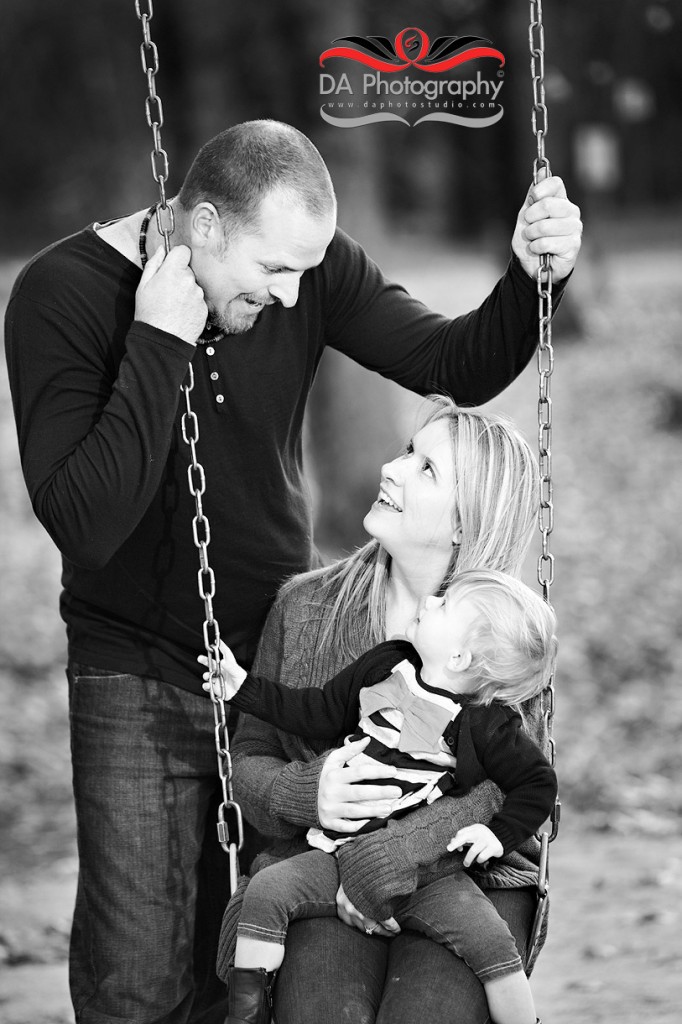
(230,834)
(545,363)
(165,219)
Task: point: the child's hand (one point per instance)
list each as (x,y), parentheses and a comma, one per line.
(231,674)
(483,844)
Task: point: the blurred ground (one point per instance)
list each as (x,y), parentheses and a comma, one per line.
(613,951)
(616,869)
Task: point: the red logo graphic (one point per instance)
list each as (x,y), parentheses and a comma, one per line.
(379,53)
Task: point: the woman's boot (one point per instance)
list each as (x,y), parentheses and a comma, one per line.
(249,995)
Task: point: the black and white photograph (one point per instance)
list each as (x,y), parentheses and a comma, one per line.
(341,449)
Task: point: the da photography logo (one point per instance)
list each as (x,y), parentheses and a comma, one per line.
(456,79)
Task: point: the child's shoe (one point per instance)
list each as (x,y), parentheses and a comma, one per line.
(249,995)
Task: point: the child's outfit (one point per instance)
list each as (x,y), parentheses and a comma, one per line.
(440,742)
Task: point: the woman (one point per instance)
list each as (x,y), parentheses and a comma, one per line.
(462,495)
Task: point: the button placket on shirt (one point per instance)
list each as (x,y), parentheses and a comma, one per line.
(214,375)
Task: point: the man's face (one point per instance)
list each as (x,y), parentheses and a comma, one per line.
(261,265)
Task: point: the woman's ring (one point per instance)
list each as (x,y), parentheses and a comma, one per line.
(370,931)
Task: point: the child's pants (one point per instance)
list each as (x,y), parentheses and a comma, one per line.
(452,911)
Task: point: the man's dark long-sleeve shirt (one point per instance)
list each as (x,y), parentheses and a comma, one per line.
(99,415)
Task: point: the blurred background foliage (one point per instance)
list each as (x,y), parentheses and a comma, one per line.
(435,205)
(73,124)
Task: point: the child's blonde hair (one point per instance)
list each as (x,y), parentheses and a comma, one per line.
(512,640)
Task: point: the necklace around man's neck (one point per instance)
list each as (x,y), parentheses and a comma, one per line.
(142,242)
(209,333)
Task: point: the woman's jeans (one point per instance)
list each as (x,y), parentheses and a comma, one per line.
(337,974)
(453,911)
(153,880)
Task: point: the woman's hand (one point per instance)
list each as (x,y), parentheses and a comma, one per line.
(231,674)
(349,915)
(344,802)
(483,844)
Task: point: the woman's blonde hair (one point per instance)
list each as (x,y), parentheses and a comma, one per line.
(495,502)
(512,639)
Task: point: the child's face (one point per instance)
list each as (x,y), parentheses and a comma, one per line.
(439,633)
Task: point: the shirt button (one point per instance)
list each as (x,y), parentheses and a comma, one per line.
(214,376)
(220,398)
(210,351)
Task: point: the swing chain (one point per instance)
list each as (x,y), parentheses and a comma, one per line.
(201,532)
(230,832)
(165,218)
(545,352)
(545,364)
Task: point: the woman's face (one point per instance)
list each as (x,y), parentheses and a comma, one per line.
(414,511)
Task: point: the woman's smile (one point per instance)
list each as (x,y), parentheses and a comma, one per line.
(384,500)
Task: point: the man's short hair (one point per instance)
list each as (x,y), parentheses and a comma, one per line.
(236,170)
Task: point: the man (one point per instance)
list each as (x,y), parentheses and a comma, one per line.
(258,282)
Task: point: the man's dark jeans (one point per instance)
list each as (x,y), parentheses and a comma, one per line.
(153,880)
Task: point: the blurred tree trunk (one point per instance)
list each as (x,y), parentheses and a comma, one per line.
(352,421)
